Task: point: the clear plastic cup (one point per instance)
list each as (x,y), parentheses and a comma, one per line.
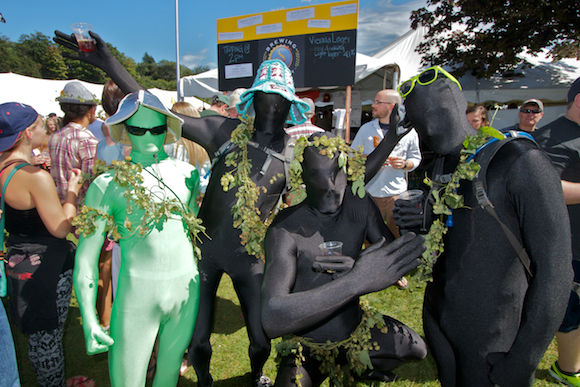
(413,195)
(81,31)
(331,248)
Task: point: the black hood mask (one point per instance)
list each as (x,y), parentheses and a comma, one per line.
(437,112)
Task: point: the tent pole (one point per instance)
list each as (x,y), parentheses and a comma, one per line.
(347,104)
(177,83)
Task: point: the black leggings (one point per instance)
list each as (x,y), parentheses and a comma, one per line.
(246,273)
(45,349)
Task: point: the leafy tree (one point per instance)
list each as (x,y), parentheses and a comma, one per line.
(12,60)
(54,66)
(486,36)
(128,63)
(148,67)
(37,56)
(166,70)
(185,71)
(200,69)
(40,49)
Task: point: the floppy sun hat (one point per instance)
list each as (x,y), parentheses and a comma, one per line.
(14,118)
(129,106)
(76,93)
(275,77)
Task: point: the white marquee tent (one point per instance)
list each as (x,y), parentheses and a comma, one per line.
(41,93)
(546,80)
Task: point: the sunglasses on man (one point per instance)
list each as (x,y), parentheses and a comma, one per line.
(526,111)
(137,131)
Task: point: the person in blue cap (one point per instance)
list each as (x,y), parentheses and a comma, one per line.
(158,284)
(273,102)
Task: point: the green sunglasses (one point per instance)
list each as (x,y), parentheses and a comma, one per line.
(424,78)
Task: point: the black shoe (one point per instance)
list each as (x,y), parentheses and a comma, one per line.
(381,376)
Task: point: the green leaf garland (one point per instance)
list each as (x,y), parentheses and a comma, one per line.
(245,212)
(357,347)
(128,175)
(446,199)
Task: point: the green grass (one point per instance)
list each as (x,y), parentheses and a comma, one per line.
(230,364)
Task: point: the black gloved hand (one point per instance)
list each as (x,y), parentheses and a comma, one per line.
(101,57)
(337,265)
(382,265)
(407,215)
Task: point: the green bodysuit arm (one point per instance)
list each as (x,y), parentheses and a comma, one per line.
(86,276)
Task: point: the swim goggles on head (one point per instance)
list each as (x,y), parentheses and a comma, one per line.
(424,78)
(137,131)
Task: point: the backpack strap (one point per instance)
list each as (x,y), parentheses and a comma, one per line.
(484,155)
(2,218)
(286,157)
(3,284)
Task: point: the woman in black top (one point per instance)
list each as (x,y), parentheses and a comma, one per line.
(39,258)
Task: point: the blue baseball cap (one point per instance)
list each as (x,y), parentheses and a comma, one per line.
(14,118)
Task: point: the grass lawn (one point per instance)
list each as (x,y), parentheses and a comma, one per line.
(230,364)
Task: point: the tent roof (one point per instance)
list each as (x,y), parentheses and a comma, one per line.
(202,85)
(545,79)
(41,93)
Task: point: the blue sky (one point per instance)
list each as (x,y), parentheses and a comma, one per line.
(136,27)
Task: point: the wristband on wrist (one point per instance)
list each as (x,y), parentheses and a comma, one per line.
(405,166)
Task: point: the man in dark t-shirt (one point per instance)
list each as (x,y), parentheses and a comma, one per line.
(560,139)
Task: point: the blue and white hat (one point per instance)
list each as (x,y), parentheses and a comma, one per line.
(275,77)
(129,106)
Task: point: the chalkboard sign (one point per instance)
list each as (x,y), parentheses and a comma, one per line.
(330,58)
(317,43)
(326,59)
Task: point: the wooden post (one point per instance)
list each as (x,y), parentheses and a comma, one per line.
(347,105)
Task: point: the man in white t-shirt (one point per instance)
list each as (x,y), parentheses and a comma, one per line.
(390,181)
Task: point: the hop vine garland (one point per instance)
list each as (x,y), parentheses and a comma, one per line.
(351,161)
(245,213)
(357,347)
(156,210)
(446,198)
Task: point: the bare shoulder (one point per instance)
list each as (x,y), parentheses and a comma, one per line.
(37,177)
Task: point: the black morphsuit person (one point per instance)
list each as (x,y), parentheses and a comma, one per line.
(222,252)
(485,322)
(299,295)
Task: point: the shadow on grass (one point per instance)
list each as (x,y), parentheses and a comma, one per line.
(238,381)
(419,371)
(227,317)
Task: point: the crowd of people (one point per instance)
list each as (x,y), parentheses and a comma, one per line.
(501,289)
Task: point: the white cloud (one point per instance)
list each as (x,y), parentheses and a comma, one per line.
(193,60)
(381,22)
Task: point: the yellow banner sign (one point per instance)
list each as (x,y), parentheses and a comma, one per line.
(308,20)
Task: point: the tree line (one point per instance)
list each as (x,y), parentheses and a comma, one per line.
(488,37)
(36,55)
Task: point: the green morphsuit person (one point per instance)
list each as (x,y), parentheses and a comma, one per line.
(158,285)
